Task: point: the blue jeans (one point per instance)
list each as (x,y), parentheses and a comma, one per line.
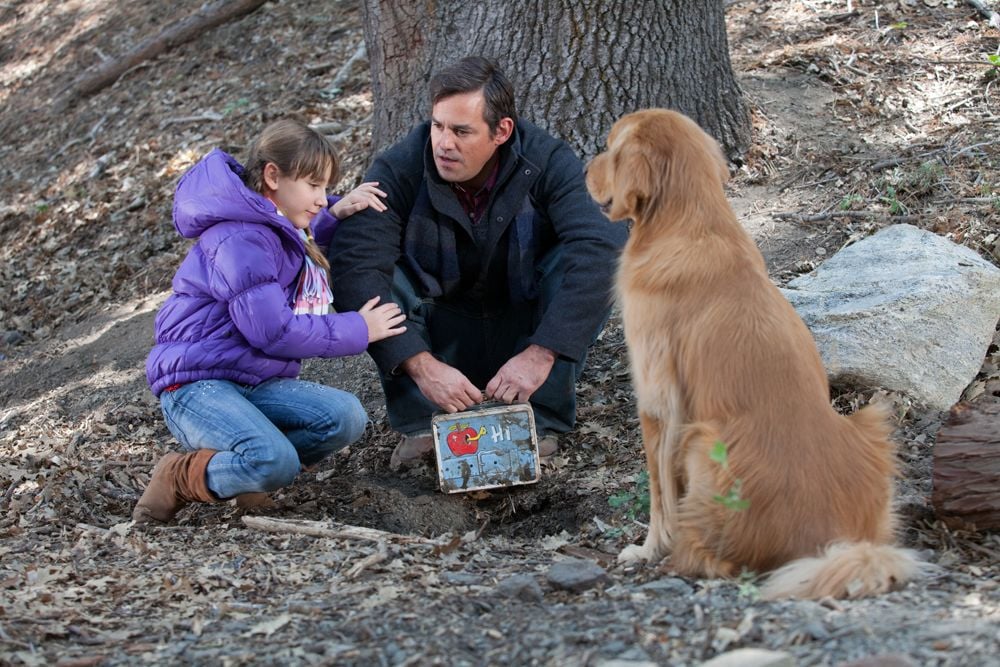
(478,339)
(264,434)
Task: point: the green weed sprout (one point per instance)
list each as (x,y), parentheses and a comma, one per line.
(636,502)
(747,583)
(850,201)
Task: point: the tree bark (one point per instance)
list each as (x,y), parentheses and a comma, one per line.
(967,467)
(576,65)
(176,33)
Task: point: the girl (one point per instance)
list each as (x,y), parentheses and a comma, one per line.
(249,301)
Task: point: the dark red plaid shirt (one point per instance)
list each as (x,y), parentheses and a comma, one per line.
(474,203)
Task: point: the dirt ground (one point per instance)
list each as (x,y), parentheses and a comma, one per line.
(864,114)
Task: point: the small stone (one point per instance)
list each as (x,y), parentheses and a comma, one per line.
(751,657)
(461,579)
(880,661)
(619,662)
(521,587)
(668,586)
(821,251)
(577,575)
(13,338)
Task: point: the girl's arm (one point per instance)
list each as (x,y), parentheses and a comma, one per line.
(325,223)
(366,195)
(245,276)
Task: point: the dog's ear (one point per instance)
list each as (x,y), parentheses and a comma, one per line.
(636,183)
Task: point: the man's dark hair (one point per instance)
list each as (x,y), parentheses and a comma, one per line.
(474,73)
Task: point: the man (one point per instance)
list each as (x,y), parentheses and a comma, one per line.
(495,251)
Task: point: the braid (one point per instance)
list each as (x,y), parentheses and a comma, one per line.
(315,254)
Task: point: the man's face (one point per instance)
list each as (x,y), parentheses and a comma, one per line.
(461,139)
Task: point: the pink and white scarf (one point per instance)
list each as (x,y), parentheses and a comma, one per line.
(312,294)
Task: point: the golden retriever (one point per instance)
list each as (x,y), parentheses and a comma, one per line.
(749,465)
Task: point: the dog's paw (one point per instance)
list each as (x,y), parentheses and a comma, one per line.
(634,553)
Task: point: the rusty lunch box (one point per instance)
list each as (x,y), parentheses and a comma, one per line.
(486,448)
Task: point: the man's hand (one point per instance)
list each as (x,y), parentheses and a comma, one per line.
(520,377)
(443,385)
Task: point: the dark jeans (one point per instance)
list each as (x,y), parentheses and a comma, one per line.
(478,340)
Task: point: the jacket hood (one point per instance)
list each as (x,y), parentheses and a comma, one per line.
(212,191)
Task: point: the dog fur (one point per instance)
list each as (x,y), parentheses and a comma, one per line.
(719,355)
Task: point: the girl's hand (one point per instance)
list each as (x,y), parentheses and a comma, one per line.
(358,199)
(383,321)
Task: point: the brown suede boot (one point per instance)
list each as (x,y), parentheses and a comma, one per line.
(176,480)
(260,500)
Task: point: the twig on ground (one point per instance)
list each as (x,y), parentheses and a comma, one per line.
(992,16)
(200,118)
(891,162)
(975,63)
(896,161)
(92,135)
(821,217)
(320,67)
(967,200)
(87,528)
(345,71)
(330,529)
(381,554)
(973,147)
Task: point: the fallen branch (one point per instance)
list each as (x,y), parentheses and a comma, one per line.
(208,115)
(330,530)
(968,200)
(966,477)
(344,72)
(994,18)
(177,33)
(820,217)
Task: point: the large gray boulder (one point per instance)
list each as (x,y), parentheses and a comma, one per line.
(905,310)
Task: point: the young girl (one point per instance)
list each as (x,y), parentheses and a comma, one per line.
(249,301)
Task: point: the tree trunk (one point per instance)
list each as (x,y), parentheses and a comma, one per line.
(967,467)
(576,65)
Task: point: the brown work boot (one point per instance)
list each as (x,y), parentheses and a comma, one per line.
(412,448)
(548,445)
(176,480)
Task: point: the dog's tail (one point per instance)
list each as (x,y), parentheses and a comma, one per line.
(845,570)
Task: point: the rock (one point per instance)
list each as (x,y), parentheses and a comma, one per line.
(461,579)
(576,575)
(880,661)
(668,586)
(13,338)
(522,587)
(904,309)
(619,662)
(751,657)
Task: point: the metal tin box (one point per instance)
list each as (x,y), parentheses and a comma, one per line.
(486,448)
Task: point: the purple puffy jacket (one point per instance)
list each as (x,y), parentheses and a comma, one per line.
(230,314)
